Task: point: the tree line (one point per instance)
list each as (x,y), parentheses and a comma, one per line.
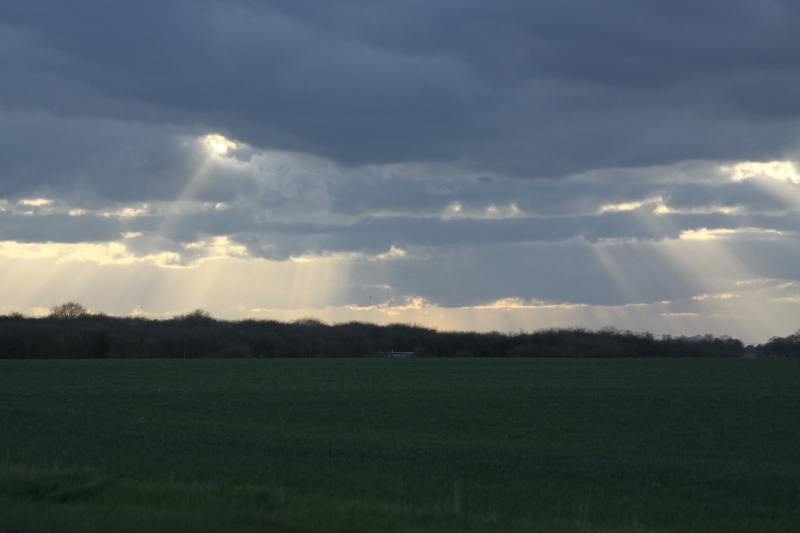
(788,346)
(72,331)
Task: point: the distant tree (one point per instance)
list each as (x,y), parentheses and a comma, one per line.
(68,310)
(198,317)
(309,321)
(782,346)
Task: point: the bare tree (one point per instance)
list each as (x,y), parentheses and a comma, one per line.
(198,317)
(68,310)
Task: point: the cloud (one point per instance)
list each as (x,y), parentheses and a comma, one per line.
(486,158)
(93,160)
(281,204)
(539,89)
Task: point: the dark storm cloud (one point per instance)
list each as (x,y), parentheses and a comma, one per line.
(688,188)
(529,89)
(378,235)
(92,160)
(58,228)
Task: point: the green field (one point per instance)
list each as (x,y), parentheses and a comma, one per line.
(400,445)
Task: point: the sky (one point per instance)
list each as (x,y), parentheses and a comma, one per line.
(464,165)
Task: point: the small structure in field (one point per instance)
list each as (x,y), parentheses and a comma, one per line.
(397,354)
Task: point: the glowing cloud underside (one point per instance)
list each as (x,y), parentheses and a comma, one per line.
(776,170)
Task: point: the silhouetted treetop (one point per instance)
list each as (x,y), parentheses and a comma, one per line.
(197,318)
(788,346)
(68,310)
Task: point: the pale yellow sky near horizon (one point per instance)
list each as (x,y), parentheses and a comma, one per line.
(236,288)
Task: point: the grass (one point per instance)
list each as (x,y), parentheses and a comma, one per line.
(400,445)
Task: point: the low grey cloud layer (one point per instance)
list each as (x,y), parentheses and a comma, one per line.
(532,89)
(456,153)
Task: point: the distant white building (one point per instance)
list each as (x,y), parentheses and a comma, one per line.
(397,354)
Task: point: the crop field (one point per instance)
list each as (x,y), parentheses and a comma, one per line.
(425,445)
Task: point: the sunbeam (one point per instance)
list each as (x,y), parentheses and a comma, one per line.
(703,259)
